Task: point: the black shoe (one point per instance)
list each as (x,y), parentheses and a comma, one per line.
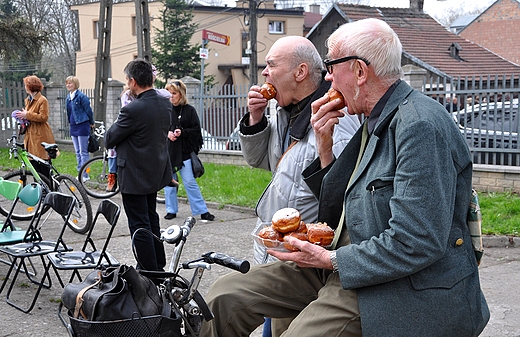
(170,216)
(207,216)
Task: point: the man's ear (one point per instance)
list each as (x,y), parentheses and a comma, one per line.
(361,71)
(302,71)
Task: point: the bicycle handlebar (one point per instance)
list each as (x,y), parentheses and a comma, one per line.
(227,261)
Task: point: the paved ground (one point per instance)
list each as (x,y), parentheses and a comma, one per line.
(230,234)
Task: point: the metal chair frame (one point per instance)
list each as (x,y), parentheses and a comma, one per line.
(89,257)
(62,204)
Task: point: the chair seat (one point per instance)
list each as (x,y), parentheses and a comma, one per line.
(25,249)
(79,260)
(11,237)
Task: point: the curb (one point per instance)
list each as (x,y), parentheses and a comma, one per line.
(503,241)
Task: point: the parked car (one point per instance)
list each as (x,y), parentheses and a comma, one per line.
(233,143)
(490,126)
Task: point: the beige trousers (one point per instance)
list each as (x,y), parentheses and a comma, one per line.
(315,298)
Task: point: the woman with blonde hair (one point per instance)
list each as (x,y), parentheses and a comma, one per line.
(185,137)
(81,119)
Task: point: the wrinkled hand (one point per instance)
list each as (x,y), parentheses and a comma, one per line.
(256,104)
(309,256)
(324,118)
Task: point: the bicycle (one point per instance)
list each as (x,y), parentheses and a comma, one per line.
(181,293)
(97,170)
(81,218)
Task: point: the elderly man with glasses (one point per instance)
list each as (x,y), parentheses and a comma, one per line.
(402,262)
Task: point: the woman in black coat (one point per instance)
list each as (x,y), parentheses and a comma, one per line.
(185,137)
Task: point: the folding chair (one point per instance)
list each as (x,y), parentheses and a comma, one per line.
(62,204)
(9,234)
(30,195)
(89,257)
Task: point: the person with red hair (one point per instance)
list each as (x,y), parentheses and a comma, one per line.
(36,111)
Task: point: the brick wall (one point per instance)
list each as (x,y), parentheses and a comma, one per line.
(494,178)
(497,29)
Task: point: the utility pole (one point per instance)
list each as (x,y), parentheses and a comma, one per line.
(102,60)
(142,20)
(253,31)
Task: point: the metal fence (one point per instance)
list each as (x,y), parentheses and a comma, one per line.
(486,112)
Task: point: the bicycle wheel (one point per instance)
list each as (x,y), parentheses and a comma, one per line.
(97,170)
(81,218)
(21,211)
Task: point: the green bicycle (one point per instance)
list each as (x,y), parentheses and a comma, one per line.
(81,218)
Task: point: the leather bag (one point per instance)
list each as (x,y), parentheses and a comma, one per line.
(93,144)
(196,165)
(113,294)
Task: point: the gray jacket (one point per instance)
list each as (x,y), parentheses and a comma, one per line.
(411,259)
(287,188)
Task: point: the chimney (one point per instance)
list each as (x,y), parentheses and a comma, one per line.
(417,5)
(314,8)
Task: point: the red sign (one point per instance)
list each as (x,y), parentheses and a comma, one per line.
(215,37)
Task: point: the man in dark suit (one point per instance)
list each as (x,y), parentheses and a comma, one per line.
(140,134)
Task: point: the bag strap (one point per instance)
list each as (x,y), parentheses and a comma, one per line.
(79,298)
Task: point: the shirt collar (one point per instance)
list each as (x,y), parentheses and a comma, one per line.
(378,108)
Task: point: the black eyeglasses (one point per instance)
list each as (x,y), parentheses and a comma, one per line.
(177,83)
(330,63)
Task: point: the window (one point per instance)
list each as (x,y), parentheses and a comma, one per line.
(276,27)
(96,29)
(134,26)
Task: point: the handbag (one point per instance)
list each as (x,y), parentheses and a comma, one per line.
(93,144)
(115,293)
(196,165)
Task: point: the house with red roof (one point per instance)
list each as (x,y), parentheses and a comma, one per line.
(427,45)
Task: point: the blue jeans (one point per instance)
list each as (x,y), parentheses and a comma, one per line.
(266,332)
(197,203)
(81,149)
(112,165)
(170,198)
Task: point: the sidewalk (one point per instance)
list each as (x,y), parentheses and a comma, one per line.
(230,234)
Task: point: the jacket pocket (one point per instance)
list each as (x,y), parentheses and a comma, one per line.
(381,191)
(121,162)
(453,267)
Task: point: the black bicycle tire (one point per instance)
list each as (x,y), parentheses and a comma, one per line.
(18,174)
(97,181)
(84,203)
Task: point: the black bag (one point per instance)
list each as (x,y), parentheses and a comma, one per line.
(113,294)
(196,165)
(93,144)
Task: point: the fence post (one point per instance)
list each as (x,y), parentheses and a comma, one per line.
(57,113)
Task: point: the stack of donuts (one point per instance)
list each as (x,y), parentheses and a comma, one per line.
(287,221)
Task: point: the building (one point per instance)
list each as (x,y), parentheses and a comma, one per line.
(497,29)
(427,45)
(228,62)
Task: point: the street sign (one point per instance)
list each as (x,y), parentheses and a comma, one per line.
(215,37)
(203,52)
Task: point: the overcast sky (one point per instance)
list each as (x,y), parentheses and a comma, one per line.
(433,7)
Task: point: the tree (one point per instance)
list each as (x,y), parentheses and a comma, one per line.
(20,43)
(172,54)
